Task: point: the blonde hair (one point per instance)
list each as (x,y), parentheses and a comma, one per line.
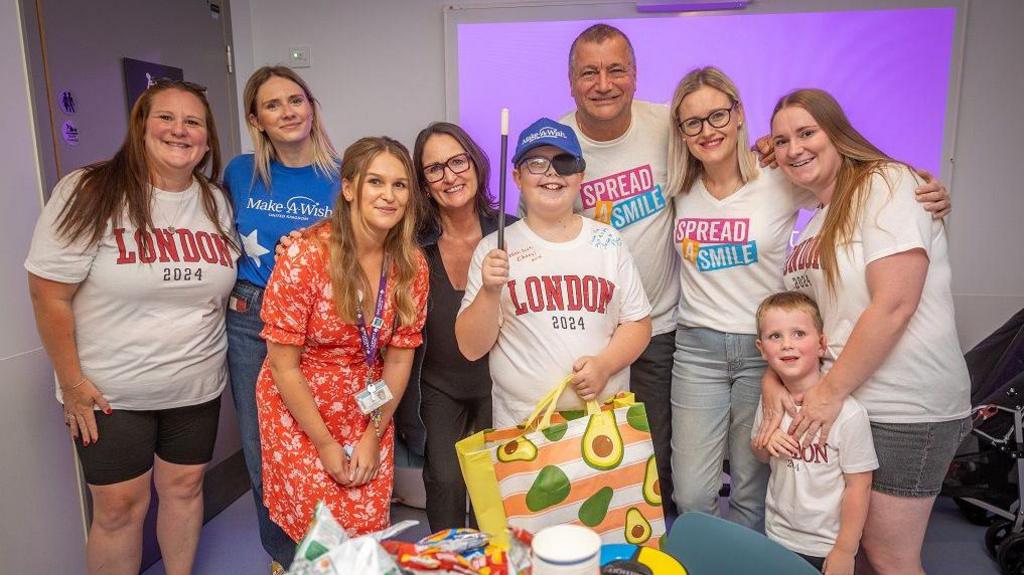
(683,167)
(347,276)
(859,160)
(790,301)
(325,157)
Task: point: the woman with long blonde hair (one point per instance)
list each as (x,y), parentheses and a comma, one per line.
(879,269)
(289,181)
(732,229)
(342,313)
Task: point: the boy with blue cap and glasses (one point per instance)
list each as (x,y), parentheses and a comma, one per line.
(564,296)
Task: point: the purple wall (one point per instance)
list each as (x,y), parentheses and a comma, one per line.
(889,69)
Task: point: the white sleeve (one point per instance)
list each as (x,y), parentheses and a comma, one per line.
(634,305)
(758,416)
(892,221)
(50,256)
(856,447)
(474,281)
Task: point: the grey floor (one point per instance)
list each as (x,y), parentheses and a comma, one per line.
(230,543)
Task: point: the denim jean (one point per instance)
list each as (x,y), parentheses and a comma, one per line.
(246,352)
(716,387)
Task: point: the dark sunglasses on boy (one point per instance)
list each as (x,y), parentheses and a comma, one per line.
(564,164)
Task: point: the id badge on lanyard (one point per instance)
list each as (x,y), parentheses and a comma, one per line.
(376,393)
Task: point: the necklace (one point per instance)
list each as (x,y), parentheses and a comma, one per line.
(177,212)
(732,189)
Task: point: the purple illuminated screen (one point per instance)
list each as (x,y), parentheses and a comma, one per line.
(889,70)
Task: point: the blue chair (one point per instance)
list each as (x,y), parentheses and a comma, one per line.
(707,545)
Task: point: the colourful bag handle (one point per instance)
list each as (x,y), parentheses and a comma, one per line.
(547,404)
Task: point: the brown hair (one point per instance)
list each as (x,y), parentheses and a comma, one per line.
(790,301)
(684,168)
(597,34)
(347,277)
(484,202)
(108,188)
(859,161)
(325,157)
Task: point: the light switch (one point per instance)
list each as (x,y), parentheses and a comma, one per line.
(299,57)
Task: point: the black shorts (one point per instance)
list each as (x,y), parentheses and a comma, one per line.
(129,439)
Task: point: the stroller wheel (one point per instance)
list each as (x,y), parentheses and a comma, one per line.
(1011,555)
(996,534)
(974,514)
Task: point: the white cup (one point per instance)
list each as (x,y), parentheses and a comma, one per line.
(566,550)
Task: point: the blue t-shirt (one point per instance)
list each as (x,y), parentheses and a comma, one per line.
(300,197)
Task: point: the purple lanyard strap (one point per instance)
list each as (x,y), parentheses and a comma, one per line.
(370,339)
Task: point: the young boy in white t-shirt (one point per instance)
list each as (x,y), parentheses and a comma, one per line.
(562,296)
(817,496)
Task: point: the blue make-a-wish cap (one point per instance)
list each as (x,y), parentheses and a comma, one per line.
(547,132)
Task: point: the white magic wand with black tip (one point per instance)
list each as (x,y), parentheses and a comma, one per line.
(501,179)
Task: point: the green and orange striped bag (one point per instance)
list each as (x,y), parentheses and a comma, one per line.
(593,468)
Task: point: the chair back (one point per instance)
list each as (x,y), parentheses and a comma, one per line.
(708,545)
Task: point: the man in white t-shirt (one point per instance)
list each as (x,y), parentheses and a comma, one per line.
(625,145)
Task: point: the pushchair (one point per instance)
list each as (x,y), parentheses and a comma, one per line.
(988,484)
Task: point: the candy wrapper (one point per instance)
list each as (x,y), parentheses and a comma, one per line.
(465,551)
(328,550)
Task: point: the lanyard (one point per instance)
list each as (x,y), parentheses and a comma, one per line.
(369,339)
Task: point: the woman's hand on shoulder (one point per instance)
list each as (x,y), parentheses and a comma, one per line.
(933,195)
(79,412)
(821,407)
(764,148)
(776,401)
(286,242)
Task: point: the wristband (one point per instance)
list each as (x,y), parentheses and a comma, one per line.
(76,386)
(375,417)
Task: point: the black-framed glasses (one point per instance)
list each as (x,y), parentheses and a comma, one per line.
(564,164)
(457,164)
(716,119)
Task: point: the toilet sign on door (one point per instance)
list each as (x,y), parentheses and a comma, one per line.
(70,133)
(66,102)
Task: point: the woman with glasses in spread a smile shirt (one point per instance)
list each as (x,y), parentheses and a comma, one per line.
(732,228)
(453,395)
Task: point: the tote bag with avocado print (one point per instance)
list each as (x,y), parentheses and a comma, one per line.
(593,468)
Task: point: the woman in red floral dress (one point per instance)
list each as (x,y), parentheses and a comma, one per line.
(317,443)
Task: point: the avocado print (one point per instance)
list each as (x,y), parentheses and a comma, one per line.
(551,487)
(638,530)
(636,417)
(518,449)
(652,487)
(555,432)
(602,444)
(595,508)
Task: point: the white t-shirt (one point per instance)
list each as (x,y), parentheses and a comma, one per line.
(149,310)
(733,250)
(805,494)
(924,378)
(625,187)
(562,301)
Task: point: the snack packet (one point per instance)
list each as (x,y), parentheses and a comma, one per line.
(327,549)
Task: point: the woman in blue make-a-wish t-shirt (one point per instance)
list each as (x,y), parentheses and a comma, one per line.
(290,182)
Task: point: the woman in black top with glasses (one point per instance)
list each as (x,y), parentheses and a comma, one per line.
(453,398)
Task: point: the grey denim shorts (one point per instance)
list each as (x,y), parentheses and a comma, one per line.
(913,457)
